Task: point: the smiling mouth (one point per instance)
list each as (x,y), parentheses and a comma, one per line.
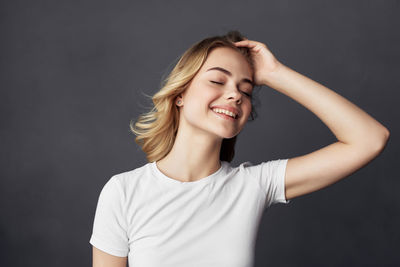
(225,116)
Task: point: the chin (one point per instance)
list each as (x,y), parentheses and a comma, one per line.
(229,136)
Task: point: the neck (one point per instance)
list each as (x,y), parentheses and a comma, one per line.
(193,156)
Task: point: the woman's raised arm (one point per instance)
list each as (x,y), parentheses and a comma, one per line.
(360,137)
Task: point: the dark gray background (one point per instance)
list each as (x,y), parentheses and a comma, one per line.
(74,73)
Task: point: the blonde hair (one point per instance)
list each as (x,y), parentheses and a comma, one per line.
(156,130)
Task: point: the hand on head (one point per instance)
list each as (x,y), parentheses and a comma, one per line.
(264,61)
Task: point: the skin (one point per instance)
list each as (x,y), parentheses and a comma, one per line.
(103,259)
(360,137)
(196,151)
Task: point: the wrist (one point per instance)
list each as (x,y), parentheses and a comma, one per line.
(272,74)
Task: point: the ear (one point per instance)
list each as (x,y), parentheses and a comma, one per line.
(179,100)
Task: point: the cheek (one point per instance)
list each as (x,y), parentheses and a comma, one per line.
(194,106)
(247,103)
(204,94)
(247,108)
(205,90)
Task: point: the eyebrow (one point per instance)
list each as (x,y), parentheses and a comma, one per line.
(230,74)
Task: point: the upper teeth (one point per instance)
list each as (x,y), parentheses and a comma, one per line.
(227,112)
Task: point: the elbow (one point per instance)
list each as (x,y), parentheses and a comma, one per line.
(385,136)
(382,140)
(376,142)
(386,133)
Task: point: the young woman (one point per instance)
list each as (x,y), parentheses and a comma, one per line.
(188,206)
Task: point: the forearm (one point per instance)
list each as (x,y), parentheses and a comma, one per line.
(349,123)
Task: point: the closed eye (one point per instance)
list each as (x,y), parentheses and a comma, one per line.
(216,82)
(247,94)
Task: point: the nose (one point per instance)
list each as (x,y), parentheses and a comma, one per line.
(234,94)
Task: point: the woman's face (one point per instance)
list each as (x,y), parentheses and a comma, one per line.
(214,86)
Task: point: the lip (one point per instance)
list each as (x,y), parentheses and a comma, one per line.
(229,108)
(224,116)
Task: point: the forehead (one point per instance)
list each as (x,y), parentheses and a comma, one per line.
(229,59)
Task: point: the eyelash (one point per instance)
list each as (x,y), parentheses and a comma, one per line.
(247,94)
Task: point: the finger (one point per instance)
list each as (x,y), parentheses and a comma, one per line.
(247,43)
(242,42)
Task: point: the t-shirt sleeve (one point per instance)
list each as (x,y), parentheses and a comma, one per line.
(273,181)
(110,225)
(271,177)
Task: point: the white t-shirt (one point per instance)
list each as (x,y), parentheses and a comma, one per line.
(212,222)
